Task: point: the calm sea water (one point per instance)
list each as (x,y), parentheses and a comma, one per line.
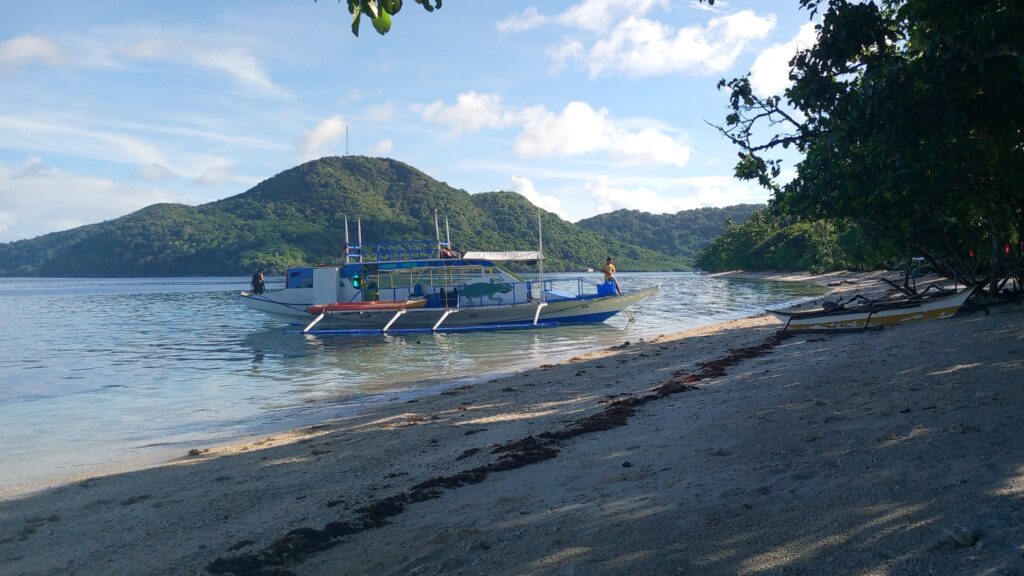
(102,374)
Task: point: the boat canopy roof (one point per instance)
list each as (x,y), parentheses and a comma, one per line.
(513,256)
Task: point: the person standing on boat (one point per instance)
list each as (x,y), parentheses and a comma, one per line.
(609,274)
(258,285)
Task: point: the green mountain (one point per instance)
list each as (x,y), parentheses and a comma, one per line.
(297,217)
(683,234)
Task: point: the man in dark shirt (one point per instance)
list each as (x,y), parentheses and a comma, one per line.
(258,284)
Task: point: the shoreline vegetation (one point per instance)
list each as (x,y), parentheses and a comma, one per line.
(725,449)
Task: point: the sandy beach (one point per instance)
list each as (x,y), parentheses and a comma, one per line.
(721,450)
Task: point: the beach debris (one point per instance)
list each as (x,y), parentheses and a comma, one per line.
(962,536)
(135,499)
(240,544)
(199,452)
(301,542)
(627,464)
(621,346)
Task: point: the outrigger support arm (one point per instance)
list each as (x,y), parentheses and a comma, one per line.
(393,318)
(536,315)
(442,319)
(314,322)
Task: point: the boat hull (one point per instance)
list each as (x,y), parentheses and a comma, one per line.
(929,309)
(570,311)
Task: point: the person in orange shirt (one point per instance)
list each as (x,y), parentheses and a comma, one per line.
(609,274)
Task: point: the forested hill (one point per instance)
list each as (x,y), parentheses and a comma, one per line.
(297,217)
(683,234)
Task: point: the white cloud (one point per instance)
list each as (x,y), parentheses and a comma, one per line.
(203,51)
(589,15)
(243,67)
(320,139)
(598,15)
(579,129)
(641,47)
(626,41)
(23,50)
(214,176)
(525,187)
(608,198)
(527,20)
(37,199)
(473,112)
(569,51)
(65,138)
(672,195)
(384,147)
(154,171)
(119,47)
(769,76)
(381,112)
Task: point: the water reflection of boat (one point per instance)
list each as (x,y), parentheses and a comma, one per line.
(427,286)
(862,312)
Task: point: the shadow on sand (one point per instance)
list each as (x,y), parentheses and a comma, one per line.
(898,452)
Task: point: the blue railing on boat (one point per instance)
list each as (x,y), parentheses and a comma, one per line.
(408,250)
(515,294)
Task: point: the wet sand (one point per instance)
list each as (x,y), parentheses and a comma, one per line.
(721,450)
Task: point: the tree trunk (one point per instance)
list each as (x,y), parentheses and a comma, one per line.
(994,271)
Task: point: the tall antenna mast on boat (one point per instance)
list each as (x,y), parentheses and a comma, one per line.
(540,246)
(437,232)
(359,228)
(344,256)
(447,232)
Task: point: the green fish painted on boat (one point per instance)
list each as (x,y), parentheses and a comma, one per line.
(485,289)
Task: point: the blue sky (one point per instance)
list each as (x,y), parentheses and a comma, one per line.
(583,107)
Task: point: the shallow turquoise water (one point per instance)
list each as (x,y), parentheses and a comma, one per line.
(106,373)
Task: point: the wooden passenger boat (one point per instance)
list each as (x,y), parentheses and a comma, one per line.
(427,286)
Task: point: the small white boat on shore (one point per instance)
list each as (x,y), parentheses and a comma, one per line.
(861,312)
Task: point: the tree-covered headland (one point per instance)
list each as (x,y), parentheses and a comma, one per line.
(907,115)
(298,218)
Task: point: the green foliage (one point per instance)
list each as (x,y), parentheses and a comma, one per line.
(298,217)
(910,124)
(380,12)
(566,245)
(682,234)
(768,241)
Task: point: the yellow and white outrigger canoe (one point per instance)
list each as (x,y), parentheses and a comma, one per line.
(864,313)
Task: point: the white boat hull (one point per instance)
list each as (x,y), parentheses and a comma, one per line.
(928,309)
(570,311)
